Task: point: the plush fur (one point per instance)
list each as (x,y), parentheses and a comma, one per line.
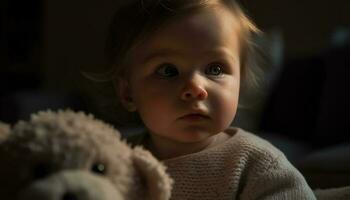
(4,130)
(69,155)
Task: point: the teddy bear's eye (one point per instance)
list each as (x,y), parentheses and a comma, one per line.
(98,168)
(41,170)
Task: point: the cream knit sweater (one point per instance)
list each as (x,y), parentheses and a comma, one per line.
(244,167)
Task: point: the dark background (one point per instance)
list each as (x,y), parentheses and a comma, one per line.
(305,96)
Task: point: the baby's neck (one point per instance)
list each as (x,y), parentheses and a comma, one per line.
(163,148)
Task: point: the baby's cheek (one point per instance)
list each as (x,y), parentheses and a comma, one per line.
(154,115)
(229,114)
(226,108)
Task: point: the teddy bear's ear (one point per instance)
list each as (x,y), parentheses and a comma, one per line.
(158,182)
(4,131)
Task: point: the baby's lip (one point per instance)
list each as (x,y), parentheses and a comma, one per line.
(197,113)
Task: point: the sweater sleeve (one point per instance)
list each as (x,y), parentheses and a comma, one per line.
(275,181)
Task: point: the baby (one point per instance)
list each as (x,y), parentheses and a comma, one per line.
(179,65)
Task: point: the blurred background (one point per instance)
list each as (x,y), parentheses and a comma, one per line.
(304,96)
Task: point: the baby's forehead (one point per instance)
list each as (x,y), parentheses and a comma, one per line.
(212,20)
(209,30)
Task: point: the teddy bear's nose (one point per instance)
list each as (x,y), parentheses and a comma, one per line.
(69,196)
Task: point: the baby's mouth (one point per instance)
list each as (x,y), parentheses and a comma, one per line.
(194,117)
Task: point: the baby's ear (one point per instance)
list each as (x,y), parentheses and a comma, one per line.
(123,90)
(158,182)
(4,131)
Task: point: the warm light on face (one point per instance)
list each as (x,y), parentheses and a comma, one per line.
(185,78)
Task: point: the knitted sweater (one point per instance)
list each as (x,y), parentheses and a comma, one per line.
(244,167)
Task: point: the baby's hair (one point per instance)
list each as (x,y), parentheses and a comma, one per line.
(136,20)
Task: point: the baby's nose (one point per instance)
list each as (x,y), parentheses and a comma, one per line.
(194,89)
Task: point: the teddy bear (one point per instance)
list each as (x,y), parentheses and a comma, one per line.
(69,155)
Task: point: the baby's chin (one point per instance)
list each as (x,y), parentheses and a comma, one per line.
(195,134)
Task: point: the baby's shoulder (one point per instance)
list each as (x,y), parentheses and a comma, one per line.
(253,147)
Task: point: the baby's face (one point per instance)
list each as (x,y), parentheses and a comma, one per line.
(185,78)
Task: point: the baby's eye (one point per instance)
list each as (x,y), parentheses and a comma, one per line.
(214,69)
(167,70)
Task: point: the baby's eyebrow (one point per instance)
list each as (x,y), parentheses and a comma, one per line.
(166,52)
(162,53)
(222,52)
